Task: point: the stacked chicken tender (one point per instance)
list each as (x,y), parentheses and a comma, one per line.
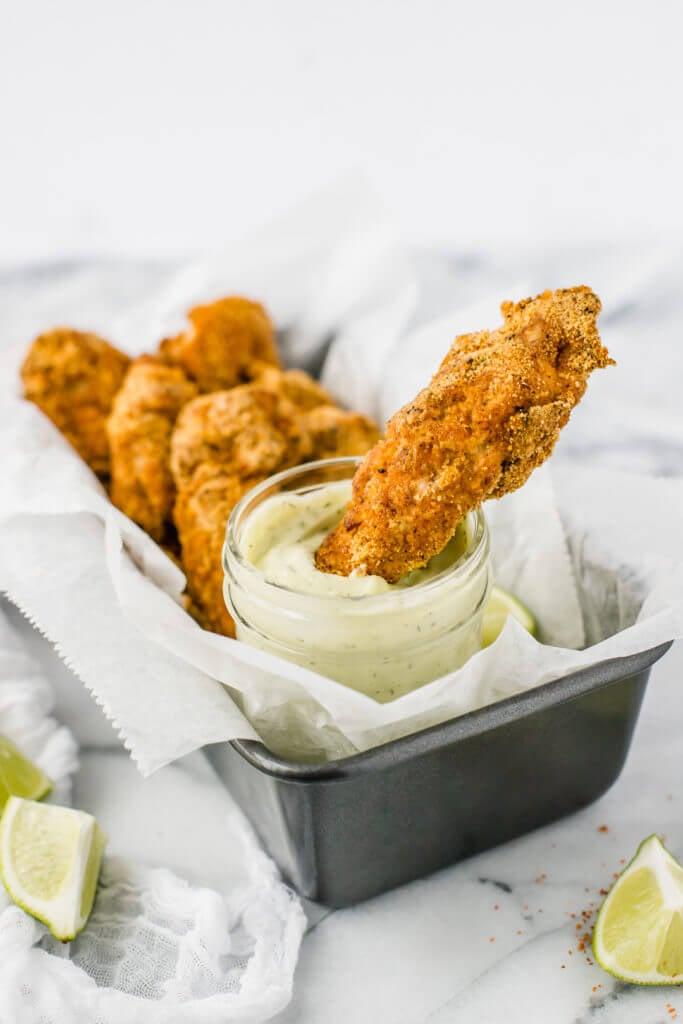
(180,436)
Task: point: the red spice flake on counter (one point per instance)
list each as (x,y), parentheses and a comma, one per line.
(583,929)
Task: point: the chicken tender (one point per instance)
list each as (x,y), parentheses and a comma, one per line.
(223,444)
(139,430)
(299,387)
(202,512)
(224,345)
(335,432)
(247,431)
(491,414)
(73,377)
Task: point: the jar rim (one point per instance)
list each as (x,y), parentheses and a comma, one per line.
(231,550)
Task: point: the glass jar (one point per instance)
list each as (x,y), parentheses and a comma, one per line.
(384,644)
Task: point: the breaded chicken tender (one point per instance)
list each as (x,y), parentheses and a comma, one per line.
(296,385)
(201,513)
(139,429)
(247,431)
(491,414)
(73,377)
(225,343)
(335,432)
(223,444)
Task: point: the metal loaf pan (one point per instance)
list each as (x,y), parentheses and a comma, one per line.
(346,830)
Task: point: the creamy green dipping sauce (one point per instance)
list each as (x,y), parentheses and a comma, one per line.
(283,534)
(381,639)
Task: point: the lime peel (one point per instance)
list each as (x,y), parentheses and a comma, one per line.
(638,934)
(50,860)
(19,776)
(500,604)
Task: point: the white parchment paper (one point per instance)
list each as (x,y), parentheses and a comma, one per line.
(596,557)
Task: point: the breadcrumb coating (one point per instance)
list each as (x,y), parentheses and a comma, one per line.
(224,345)
(139,429)
(335,432)
(201,515)
(223,444)
(248,431)
(296,385)
(491,414)
(73,377)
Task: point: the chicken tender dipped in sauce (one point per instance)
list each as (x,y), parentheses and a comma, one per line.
(492,413)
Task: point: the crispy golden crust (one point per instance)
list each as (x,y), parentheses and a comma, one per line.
(225,343)
(247,431)
(336,432)
(73,377)
(139,429)
(491,414)
(201,514)
(296,385)
(223,444)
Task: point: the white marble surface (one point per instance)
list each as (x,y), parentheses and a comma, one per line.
(492,939)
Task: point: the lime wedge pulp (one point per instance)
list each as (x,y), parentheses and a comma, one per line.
(639,931)
(502,603)
(50,860)
(19,776)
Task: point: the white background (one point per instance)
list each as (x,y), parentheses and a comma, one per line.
(163,127)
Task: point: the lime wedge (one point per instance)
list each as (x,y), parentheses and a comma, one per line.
(501,604)
(19,776)
(50,860)
(639,931)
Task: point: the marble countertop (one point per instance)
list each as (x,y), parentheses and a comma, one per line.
(499,937)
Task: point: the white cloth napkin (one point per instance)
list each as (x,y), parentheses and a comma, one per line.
(157,951)
(155,948)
